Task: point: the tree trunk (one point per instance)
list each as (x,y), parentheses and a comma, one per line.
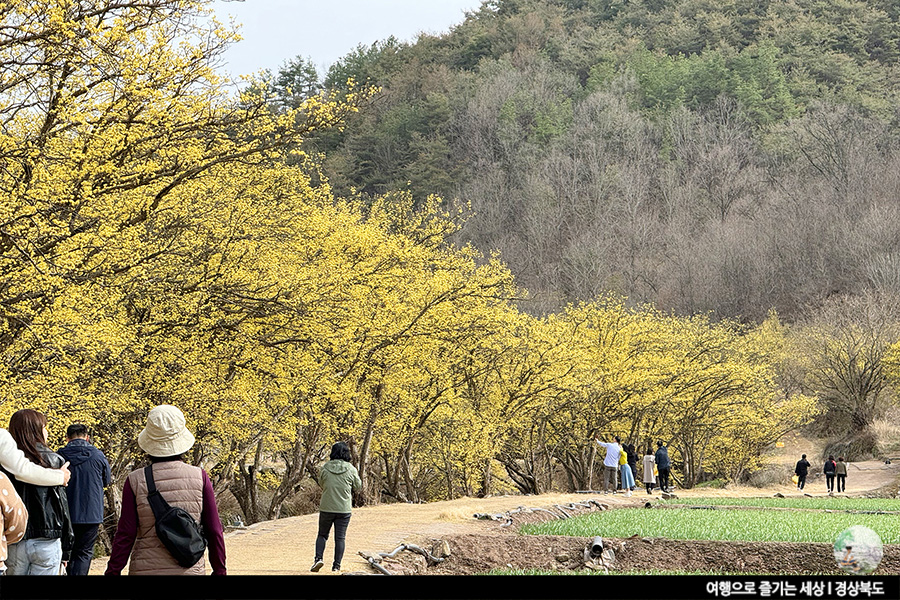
(522,478)
(362,467)
(411,490)
(487,479)
(295,468)
(245,488)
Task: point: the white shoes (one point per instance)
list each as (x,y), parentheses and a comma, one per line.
(318,565)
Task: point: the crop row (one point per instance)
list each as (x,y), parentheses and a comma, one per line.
(859,504)
(723,524)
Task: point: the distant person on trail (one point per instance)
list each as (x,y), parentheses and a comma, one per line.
(625,471)
(610,463)
(90,474)
(339,479)
(829,469)
(649,466)
(663,465)
(801,471)
(840,469)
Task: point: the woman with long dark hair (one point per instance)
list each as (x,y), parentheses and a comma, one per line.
(339,479)
(48,537)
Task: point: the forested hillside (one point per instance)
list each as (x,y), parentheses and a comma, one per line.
(730,156)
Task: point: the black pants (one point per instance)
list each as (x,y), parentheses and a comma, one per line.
(340,522)
(842,483)
(664,478)
(801,481)
(82,548)
(829,481)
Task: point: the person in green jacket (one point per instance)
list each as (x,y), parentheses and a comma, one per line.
(338,478)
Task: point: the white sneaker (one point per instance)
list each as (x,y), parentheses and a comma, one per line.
(316,566)
(628,493)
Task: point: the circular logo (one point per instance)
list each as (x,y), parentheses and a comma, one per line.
(858,550)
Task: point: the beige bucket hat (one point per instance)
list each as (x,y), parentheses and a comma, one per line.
(166,433)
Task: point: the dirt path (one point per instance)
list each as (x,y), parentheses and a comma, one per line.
(285,546)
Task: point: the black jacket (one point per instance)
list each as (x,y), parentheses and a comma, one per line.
(632,455)
(90,474)
(830,467)
(802,469)
(662,458)
(48,508)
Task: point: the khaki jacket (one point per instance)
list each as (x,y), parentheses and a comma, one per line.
(338,479)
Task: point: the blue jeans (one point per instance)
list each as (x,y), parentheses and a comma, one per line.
(36,556)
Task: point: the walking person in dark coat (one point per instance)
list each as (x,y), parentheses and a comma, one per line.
(90,474)
(801,471)
(663,465)
(829,470)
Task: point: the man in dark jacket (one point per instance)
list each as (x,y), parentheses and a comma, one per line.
(663,465)
(90,474)
(801,471)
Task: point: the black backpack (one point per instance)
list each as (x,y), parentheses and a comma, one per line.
(176,528)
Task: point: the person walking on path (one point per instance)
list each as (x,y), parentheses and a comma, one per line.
(90,474)
(840,471)
(47,543)
(339,479)
(829,469)
(663,465)
(625,472)
(13,518)
(649,465)
(165,439)
(610,463)
(801,471)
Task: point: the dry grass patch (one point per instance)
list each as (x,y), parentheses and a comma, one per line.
(887,432)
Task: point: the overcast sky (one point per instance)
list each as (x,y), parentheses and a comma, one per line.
(325,30)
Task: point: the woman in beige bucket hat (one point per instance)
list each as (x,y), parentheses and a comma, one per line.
(165,439)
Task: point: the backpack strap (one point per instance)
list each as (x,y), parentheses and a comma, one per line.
(148,475)
(158,504)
